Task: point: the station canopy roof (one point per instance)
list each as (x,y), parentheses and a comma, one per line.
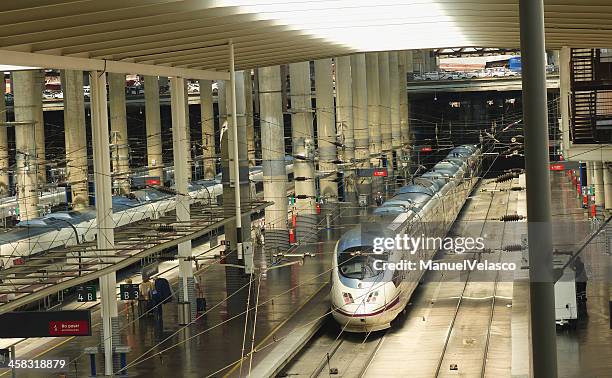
(194,33)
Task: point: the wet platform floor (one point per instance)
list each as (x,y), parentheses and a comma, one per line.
(211,346)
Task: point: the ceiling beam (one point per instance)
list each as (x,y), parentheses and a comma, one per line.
(71,63)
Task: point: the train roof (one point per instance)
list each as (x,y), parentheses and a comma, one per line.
(361,235)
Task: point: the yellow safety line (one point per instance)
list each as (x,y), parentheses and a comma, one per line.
(275,329)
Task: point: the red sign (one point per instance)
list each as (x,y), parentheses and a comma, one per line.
(69,328)
(426,149)
(380,173)
(19,261)
(153,182)
(557,167)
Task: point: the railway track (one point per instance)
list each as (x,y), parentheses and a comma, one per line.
(332,352)
(466,344)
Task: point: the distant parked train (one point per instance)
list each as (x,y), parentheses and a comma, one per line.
(71,227)
(365,298)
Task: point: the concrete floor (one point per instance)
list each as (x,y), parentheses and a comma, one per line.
(214,343)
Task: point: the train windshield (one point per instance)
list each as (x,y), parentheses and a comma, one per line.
(358,263)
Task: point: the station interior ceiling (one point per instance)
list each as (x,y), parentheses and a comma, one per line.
(194,33)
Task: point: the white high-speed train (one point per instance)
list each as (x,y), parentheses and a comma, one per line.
(66,228)
(365,297)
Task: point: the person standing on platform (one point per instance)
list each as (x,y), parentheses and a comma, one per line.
(581,284)
(144,300)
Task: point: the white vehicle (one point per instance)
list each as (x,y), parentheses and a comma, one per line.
(474,74)
(434,75)
(453,75)
(48,95)
(509,73)
(365,297)
(193,88)
(495,72)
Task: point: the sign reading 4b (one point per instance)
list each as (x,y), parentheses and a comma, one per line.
(86,293)
(129,291)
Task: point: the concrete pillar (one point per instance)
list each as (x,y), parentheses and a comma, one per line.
(598,176)
(385,109)
(361,128)
(250,126)
(607,182)
(539,214)
(208,129)
(186,292)
(188,150)
(221,102)
(564,98)
(344,121)
(326,129)
(373,97)
(119,135)
(104,214)
(39,133)
(4,147)
(243,157)
(273,158)
(75,137)
(394,83)
(26,93)
(403,105)
(303,146)
(153,126)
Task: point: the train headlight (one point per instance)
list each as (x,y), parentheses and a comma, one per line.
(372,297)
(348,298)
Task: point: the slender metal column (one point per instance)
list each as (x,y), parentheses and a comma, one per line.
(273,158)
(598,181)
(208,129)
(119,135)
(385,109)
(394,83)
(403,109)
(535,119)
(374,124)
(188,153)
(361,128)
(564,97)
(104,213)
(250,126)
(236,163)
(153,127)
(326,129)
(4,147)
(304,150)
(344,120)
(243,162)
(26,177)
(75,137)
(181,182)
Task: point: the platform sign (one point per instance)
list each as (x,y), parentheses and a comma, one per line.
(129,291)
(45,323)
(563,165)
(380,172)
(61,328)
(86,294)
